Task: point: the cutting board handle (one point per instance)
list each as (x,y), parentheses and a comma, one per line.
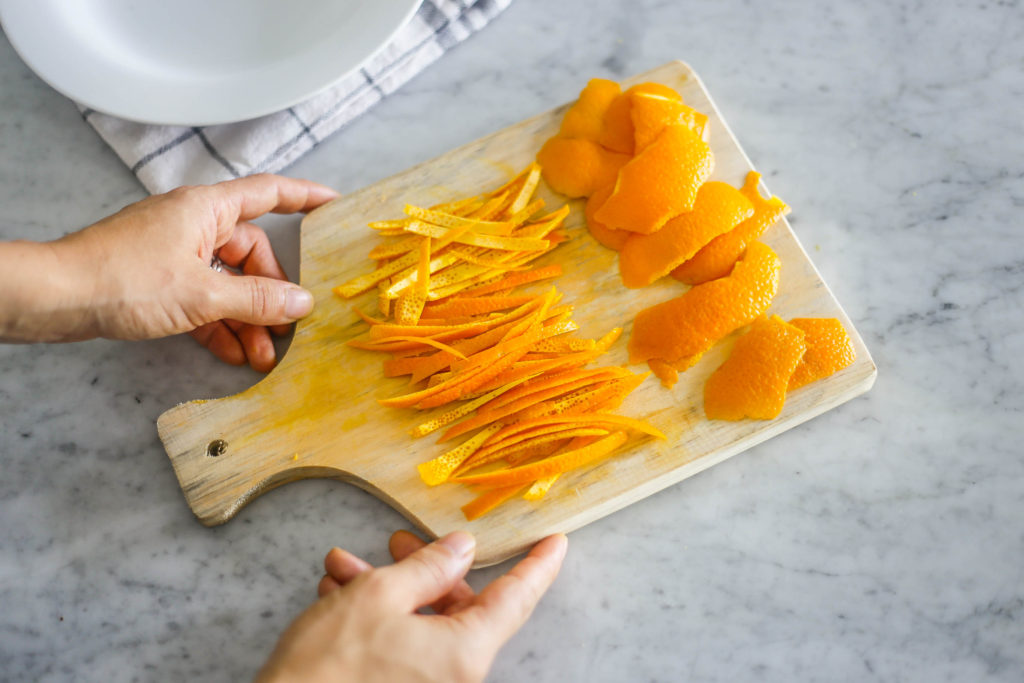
(224,456)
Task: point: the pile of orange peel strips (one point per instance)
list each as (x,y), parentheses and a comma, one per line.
(505,364)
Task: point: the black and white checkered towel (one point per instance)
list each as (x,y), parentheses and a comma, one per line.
(164,157)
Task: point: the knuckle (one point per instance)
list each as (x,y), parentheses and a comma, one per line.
(260,299)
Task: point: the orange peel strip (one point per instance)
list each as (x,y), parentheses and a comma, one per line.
(556,464)
(478,239)
(595,418)
(488,500)
(447,220)
(516,279)
(362,283)
(466,306)
(522,199)
(438,470)
(527,444)
(433,424)
(402,246)
(521,401)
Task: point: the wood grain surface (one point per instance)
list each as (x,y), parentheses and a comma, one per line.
(316,414)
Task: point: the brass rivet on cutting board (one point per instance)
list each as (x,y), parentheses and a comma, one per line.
(216,447)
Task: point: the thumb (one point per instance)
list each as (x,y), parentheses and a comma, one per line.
(431,572)
(258,300)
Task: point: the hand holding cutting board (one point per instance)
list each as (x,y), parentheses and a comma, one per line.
(155,269)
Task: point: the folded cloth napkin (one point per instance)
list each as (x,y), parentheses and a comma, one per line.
(164,157)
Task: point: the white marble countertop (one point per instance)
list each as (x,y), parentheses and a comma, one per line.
(881,541)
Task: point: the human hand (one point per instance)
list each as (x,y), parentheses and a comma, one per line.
(366,627)
(145,272)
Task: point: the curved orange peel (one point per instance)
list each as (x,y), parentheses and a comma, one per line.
(719,208)
(829,350)
(679,330)
(753,379)
(658,183)
(718,256)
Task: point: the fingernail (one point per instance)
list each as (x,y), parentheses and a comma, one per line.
(298,303)
(459,542)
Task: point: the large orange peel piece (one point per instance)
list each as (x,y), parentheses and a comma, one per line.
(829,350)
(718,256)
(678,331)
(752,382)
(613,239)
(585,118)
(718,209)
(651,113)
(576,167)
(617,133)
(659,183)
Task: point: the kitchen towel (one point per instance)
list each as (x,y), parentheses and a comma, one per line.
(164,157)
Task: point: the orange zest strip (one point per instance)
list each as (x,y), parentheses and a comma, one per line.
(423,272)
(462,410)
(386,251)
(527,444)
(537,395)
(463,306)
(478,375)
(589,418)
(364,282)
(480,240)
(556,464)
(488,500)
(515,280)
(448,220)
(434,343)
(438,470)
(379,332)
(540,488)
(524,368)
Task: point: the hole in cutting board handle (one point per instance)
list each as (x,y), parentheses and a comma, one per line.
(216,448)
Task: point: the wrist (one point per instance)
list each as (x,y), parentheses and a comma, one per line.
(45,299)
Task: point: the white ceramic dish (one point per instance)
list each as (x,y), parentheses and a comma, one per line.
(197,62)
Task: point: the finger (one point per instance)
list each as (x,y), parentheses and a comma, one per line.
(254,300)
(277,330)
(221,342)
(247,198)
(505,604)
(429,573)
(404,543)
(249,250)
(343,566)
(258,346)
(326,585)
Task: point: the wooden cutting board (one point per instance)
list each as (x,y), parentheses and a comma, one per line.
(316,414)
